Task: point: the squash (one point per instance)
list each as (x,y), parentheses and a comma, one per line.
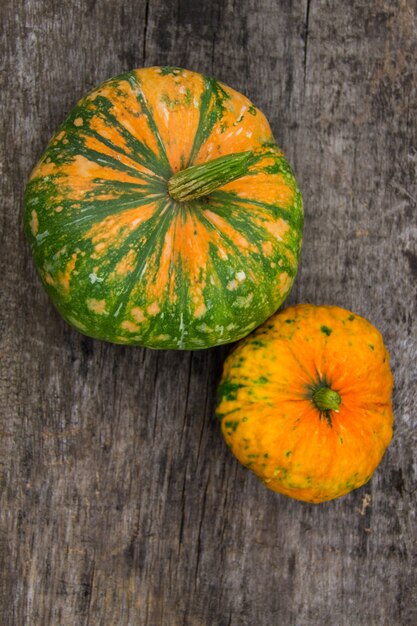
(305,402)
(163,214)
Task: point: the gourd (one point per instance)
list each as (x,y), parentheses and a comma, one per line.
(305,402)
(163,214)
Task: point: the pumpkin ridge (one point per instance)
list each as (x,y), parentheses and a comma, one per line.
(135,82)
(252,263)
(113,260)
(311,378)
(166,290)
(161,226)
(208,116)
(86,245)
(105,161)
(256,229)
(99,109)
(84,189)
(223,237)
(238,305)
(135,233)
(158,184)
(147,160)
(130,103)
(85,219)
(289,215)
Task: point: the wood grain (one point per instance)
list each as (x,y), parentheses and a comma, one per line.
(120,504)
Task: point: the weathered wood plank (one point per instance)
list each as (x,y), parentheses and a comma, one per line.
(120,503)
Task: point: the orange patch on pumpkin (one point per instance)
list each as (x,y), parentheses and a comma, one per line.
(267,248)
(186,245)
(43,169)
(227,229)
(128,111)
(200,310)
(158,278)
(34,223)
(80,175)
(114,229)
(237,130)
(137,314)
(269,188)
(129,326)
(113,135)
(278,228)
(153,309)
(97,306)
(64,278)
(48,279)
(284,283)
(192,252)
(127,263)
(174,102)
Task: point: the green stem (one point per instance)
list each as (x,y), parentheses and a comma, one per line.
(200,180)
(326,399)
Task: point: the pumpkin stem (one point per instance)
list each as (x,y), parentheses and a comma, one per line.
(200,180)
(326,399)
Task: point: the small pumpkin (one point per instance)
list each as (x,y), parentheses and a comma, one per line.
(305,402)
(163,213)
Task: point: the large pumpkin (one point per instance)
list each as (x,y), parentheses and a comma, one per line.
(305,402)
(163,213)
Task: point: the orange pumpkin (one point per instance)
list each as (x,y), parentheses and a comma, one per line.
(305,402)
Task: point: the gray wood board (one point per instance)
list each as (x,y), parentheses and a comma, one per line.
(120,503)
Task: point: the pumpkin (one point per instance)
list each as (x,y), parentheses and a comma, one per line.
(163,214)
(305,402)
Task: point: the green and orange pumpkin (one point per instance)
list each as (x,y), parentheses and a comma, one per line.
(163,214)
(305,402)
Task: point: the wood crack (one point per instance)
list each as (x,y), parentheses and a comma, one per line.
(199,535)
(213,47)
(187,395)
(90,589)
(145,31)
(306,32)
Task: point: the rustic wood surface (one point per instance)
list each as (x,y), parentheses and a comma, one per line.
(120,504)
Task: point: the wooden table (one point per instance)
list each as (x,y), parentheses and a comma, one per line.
(120,504)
